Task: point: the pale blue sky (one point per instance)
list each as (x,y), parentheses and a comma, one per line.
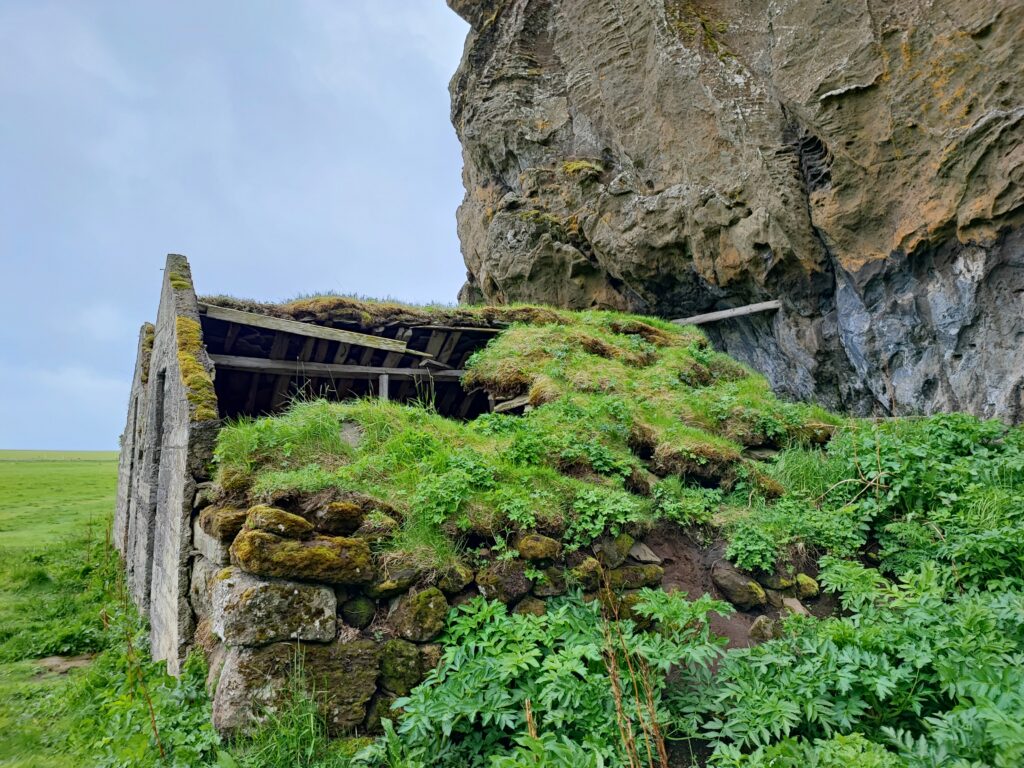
(284,147)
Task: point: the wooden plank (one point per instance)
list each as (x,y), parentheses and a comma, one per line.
(463,328)
(382,386)
(449,347)
(725,314)
(278,347)
(299,368)
(304,329)
(511,405)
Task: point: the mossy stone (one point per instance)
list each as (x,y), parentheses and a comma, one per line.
(737,587)
(806,587)
(587,574)
(278,522)
(635,576)
(376,527)
(764,629)
(339,518)
(223,523)
(359,612)
(400,666)
(536,547)
(505,581)
(420,616)
(331,560)
(395,583)
(778,580)
(530,606)
(612,551)
(430,656)
(455,579)
(553,583)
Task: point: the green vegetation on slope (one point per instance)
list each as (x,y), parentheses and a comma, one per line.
(627,414)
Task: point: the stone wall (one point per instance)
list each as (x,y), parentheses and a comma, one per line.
(166,450)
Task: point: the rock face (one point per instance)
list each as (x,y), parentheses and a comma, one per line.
(862,162)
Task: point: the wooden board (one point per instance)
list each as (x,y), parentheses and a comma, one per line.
(305,329)
(299,368)
(725,314)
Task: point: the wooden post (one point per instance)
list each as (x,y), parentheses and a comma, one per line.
(382,385)
(725,314)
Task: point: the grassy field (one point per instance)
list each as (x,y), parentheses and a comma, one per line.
(54,509)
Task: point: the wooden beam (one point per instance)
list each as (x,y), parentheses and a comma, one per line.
(463,328)
(382,386)
(304,329)
(725,314)
(311,370)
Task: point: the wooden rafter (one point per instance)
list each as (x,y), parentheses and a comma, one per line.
(305,329)
(313,370)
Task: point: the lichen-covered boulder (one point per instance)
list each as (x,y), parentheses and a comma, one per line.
(806,587)
(505,581)
(252,611)
(455,578)
(339,518)
(420,616)
(278,522)
(222,523)
(587,574)
(790,605)
(400,666)
(538,548)
(780,579)
(738,588)
(612,551)
(551,584)
(255,682)
(327,559)
(635,576)
(359,612)
(393,583)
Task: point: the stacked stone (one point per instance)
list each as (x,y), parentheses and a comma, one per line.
(281,597)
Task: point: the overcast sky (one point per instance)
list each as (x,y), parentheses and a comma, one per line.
(284,147)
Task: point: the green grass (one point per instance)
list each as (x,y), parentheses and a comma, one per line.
(45,495)
(53,511)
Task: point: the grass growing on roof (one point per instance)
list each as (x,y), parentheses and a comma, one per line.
(629,413)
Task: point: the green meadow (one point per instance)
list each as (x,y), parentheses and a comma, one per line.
(54,508)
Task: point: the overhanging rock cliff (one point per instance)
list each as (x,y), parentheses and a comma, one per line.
(860,161)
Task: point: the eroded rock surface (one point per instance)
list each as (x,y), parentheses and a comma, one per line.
(860,161)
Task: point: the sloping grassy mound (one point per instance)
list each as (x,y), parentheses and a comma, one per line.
(632,421)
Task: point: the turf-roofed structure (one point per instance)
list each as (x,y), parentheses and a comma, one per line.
(322,480)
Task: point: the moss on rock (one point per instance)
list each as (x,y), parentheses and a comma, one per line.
(504,581)
(635,576)
(587,574)
(538,548)
(332,560)
(420,616)
(359,612)
(194,375)
(400,667)
(455,578)
(278,522)
(222,523)
(339,518)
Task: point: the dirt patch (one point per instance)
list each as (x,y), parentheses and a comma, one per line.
(687,567)
(61,665)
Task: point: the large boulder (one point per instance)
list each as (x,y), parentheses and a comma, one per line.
(858,161)
(248,610)
(738,588)
(327,559)
(255,682)
(635,576)
(612,551)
